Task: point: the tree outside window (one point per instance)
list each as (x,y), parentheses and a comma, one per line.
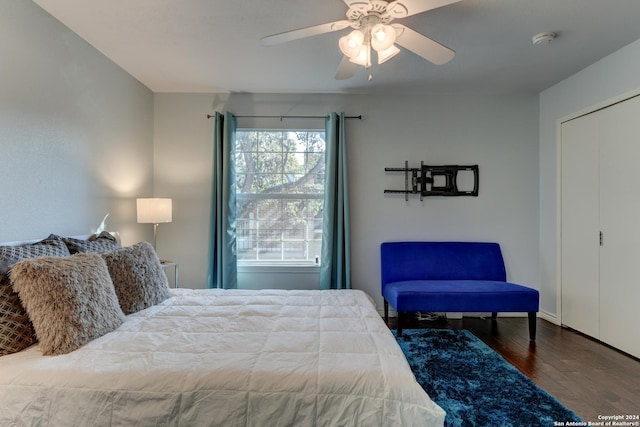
(279,195)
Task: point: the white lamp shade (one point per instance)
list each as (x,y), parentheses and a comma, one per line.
(154,210)
(386,55)
(364,57)
(382,37)
(351,43)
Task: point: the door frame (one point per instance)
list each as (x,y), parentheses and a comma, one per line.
(583,112)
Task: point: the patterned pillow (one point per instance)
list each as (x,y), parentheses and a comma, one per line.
(16,331)
(137,277)
(70,300)
(102,242)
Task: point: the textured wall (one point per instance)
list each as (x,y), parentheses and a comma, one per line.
(76,132)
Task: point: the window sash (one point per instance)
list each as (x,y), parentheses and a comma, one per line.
(281,232)
(264,238)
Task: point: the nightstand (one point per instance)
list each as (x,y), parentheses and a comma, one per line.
(168,264)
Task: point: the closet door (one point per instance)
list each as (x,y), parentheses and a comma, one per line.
(620,224)
(580,225)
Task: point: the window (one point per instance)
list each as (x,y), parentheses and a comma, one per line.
(279,196)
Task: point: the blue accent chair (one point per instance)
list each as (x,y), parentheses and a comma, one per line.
(451,277)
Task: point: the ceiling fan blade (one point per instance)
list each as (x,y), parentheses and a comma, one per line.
(403,8)
(304,32)
(361,3)
(423,46)
(346,69)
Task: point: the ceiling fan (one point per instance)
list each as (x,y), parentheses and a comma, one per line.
(372,29)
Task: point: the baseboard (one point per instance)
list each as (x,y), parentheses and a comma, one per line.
(549,317)
(392,312)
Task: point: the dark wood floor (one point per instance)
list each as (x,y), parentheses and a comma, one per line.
(584,375)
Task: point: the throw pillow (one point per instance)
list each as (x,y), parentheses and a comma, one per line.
(70,301)
(102,242)
(16,330)
(137,277)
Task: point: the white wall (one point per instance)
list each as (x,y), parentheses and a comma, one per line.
(183,166)
(608,78)
(499,133)
(76,135)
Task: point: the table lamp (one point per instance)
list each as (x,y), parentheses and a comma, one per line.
(154,211)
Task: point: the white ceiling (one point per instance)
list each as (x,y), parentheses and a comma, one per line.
(214,45)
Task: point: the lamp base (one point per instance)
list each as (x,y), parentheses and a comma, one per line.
(155,236)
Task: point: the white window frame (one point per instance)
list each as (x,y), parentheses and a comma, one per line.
(281,265)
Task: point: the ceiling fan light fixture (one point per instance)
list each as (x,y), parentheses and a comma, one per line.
(372,27)
(382,37)
(364,56)
(352,43)
(387,54)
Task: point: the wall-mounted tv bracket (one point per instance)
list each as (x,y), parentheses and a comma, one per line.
(430,180)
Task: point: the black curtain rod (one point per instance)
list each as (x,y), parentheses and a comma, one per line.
(288,117)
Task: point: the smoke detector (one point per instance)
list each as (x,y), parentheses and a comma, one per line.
(543,38)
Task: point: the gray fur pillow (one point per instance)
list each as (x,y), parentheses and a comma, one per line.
(70,301)
(137,277)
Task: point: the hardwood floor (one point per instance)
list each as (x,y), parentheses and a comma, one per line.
(586,376)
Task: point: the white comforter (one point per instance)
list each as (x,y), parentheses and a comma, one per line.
(226,358)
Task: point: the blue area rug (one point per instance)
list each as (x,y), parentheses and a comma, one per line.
(474,384)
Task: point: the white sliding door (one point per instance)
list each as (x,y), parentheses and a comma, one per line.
(620,224)
(600,224)
(580,225)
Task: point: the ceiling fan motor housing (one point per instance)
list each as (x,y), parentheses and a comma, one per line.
(373,12)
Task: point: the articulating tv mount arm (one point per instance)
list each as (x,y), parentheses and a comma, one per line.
(423,180)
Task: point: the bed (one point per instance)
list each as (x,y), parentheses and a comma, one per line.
(225,358)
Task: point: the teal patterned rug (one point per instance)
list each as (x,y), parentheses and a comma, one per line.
(474,384)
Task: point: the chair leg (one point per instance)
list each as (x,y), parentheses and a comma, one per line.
(386,311)
(400,318)
(532,326)
(494,315)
